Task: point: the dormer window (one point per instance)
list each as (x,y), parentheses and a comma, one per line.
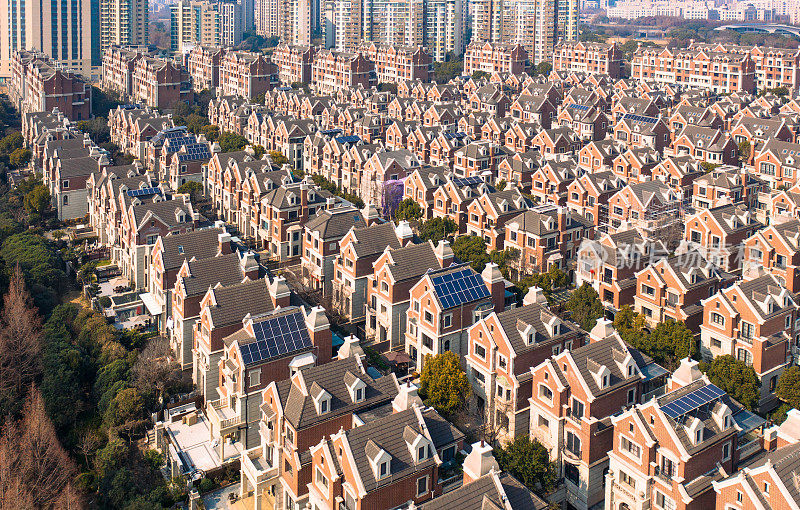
(355,386)
(384,470)
(606,379)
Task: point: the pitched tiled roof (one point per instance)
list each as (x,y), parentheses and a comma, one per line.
(236,301)
(205,273)
(412,261)
(198,244)
(372,240)
(335,223)
(474,495)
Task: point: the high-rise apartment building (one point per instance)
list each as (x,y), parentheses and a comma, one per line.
(209,23)
(123,23)
(487,20)
(538,25)
(67,31)
(293,21)
(444,28)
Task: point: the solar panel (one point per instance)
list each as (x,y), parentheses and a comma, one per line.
(692,401)
(467,181)
(578,107)
(639,118)
(140,192)
(348,139)
(454,289)
(276,337)
(331,131)
(450,136)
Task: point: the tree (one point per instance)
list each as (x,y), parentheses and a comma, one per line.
(155,371)
(744,150)
(471,249)
(10,142)
(20,344)
(444,385)
(19,157)
(230,142)
(585,306)
(258,151)
(436,229)
(211,132)
(33,464)
(408,209)
(736,378)
(480,75)
(97,128)
(708,167)
(544,68)
(37,200)
(529,462)
(443,72)
(278,158)
(670,342)
(788,388)
(192,188)
(501,185)
(126,411)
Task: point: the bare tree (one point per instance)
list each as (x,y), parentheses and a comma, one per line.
(33,464)
(155,368)
(20,340)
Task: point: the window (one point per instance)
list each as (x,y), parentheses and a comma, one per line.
(726,451)
(421,454)
(648,290)
(65,184)
(747,330)
(716,343)
(717,319)
(545,392)
(577,408)
(422,486)
(632,395)
(359,394)
(323,406)
(766,488)
(626,479)
(255,377)
(322,480)
(572,474)
(667,467)
(65,200)
(663,501)
(383,470)
(447,321)
(428,317)
(289,435)
(744,355)
(573,444)
(480,351)
(628,446)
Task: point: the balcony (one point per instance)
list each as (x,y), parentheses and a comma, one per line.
(257,467)
(663,475)
(222,418)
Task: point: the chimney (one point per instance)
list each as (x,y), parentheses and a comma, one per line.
(330,203)
(602,329)
(320,331)
(444,254)
(407,396)
(480,462)
(351,348)
(534,295)
(279,291)
(370,213)
(687,372)
(224,243)
(496,284)
(249,265)
(404,233)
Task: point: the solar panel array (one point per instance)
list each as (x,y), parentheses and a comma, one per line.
(581,107)
(639,118)
(692,401)
(467,181)
(450,136)
(276,337)
(348,139)
(141,192)
(195,151)
(457,288)
(331,131)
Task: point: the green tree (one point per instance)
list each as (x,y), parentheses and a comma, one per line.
(585,306)
(670,342)
(788,389)
(211,132)
(478,75)
(278,158)
(436,229)
(37,200)
(708,167)
(10,142)
(544,68)
(230,142)
(97,128)
(744,150)
(501,185)
(408,209)
(444,384)
(258,151)
(443,72)
(529,462)
(193,189)
(19,157)
(736,378)
(471,249)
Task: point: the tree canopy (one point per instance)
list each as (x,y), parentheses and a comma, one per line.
(736,378)
(788,389)
(667,344)
(437,229)
(529,462)
(408,209)
(585,306)
(444,385)
(230,142)
(471,249)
